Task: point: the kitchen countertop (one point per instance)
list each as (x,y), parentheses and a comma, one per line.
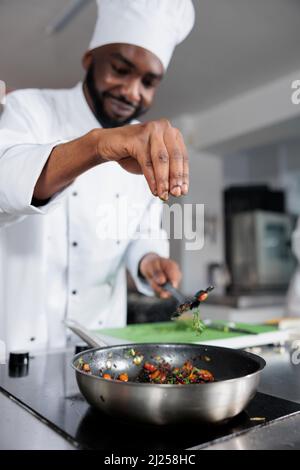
(21,429)
(282,435)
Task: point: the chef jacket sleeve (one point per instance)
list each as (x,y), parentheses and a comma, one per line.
(148,238)
(22,160)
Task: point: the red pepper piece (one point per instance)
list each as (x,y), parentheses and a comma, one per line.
(206,375)
(202,297)
(155,375)
(150,367)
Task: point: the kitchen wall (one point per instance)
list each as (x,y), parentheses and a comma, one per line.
(277,165)
(256,137)
(206,184)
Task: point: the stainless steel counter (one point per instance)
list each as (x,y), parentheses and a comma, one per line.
(282,435)
(281,377)
(248,300)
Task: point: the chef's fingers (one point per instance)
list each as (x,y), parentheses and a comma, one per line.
(156,277)
(185,173)
(158,290)
(144,160)
(131,165)
(172,271)
(164,270)
(160,161)
(175,160)
(156,272)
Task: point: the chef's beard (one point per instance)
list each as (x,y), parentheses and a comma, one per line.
(98,98)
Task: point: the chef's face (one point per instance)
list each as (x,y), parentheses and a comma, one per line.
(121,82)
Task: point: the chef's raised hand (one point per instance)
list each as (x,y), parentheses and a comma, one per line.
(155,149)
(157,271)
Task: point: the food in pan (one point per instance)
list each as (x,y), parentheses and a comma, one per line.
(164,373)
(86,368)
(157,371)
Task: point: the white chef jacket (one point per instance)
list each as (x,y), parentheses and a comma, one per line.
(55,262)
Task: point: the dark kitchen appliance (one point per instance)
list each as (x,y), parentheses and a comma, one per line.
(261,255)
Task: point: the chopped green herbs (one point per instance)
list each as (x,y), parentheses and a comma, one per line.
(198,325)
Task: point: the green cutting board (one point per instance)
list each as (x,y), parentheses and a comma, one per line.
(176,332)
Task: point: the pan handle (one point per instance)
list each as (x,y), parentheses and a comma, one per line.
(91,339)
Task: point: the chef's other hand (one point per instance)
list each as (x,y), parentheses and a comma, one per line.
(155,149)
(157,271)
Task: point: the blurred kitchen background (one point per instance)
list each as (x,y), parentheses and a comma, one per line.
(228,89)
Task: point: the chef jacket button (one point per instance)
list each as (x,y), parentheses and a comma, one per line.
(118,242)
(32,338)
(74,243)
(117,195)
(75,193)
(74,292)
(100,322)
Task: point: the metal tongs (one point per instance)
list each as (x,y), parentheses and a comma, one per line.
(189,304)
(185,304)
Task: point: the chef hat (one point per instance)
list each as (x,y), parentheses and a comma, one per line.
(155,25)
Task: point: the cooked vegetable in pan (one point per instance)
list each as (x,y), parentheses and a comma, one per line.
(164,373)
(158,371)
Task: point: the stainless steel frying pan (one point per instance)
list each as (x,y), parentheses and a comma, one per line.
(236,372)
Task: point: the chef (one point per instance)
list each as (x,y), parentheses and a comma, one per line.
(65,156)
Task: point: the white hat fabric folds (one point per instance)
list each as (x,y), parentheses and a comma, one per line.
(155,25)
